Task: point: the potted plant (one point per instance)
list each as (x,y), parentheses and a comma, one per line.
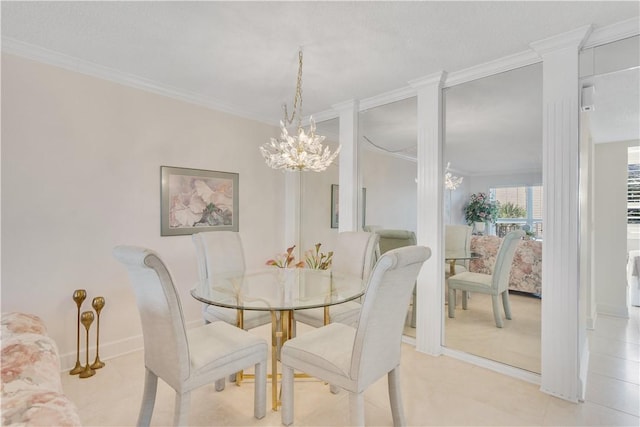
(480,210)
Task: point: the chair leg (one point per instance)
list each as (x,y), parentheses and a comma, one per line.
(414,309)
(452,302)
(395,397)
(287,395)
(465,300)
(181,412)
(506,304)
(260,390)
(148,398)
(356,409)
(496,310)
(220,384)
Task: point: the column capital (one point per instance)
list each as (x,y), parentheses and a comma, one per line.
(346,105)
(573,39)
(436,78)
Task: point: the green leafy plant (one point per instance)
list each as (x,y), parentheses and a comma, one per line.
(511,210)
(286,260)
(480,209)
(318,260)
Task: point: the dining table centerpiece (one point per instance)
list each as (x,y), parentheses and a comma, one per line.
(286,260)
(479,211)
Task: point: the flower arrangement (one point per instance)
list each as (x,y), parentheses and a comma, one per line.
(480,209)
(317,260)
(285,260)
(314,259)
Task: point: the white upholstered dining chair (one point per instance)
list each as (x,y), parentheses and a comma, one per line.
(457,241)
(221,252)
(353,358)
(496,284)
(185,359)
(392,239)
(353,255)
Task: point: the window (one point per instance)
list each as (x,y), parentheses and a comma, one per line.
(520,207)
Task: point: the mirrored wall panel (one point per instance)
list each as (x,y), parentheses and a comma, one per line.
(387,167)
(493,186)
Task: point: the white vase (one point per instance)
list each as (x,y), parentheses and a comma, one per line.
(479,227)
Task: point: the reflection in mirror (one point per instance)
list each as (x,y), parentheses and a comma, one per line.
(493,141)
(610,137)
(387,167)
(315,195)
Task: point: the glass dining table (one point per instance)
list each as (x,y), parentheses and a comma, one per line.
(280,292)
(452,257)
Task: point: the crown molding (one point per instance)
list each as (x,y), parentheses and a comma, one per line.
(490,68)
(387,98)
(368,103)
(613,32)
(57,59)
(436,78)
(322,116)
(573,39)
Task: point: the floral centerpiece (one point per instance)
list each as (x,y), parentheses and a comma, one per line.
(317,260)
(286,260)
(314,259)
(480,209)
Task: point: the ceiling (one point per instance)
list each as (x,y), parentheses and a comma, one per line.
(241,57)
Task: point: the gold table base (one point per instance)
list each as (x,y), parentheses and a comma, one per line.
(282,329)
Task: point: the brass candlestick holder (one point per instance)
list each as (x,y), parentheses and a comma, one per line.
(78,296)
(87,320)
(98,304)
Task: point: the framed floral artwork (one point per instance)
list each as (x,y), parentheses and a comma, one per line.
(196,200)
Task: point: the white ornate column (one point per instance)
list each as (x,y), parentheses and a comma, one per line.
(563,342)
(430,219)
(348,179)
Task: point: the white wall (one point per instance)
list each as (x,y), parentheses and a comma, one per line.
(610,228)
(391,190)
(81,174)
(316,209)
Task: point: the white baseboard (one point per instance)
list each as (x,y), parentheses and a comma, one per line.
(614,310)
(112,349)
(501,368)
(591,321)
(584,369)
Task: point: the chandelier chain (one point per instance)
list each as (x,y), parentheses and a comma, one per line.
(297,100)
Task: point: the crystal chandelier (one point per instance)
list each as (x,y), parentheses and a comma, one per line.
(301,152)
(451,182)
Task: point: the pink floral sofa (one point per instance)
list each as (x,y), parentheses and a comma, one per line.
(526,268)
(31,386)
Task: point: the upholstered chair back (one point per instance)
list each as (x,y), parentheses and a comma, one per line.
(457,240)
(354,253)
(379,334)
(218,252)
(502,268)
(166,351)
(392,239)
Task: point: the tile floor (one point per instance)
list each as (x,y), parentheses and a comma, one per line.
(437,391)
